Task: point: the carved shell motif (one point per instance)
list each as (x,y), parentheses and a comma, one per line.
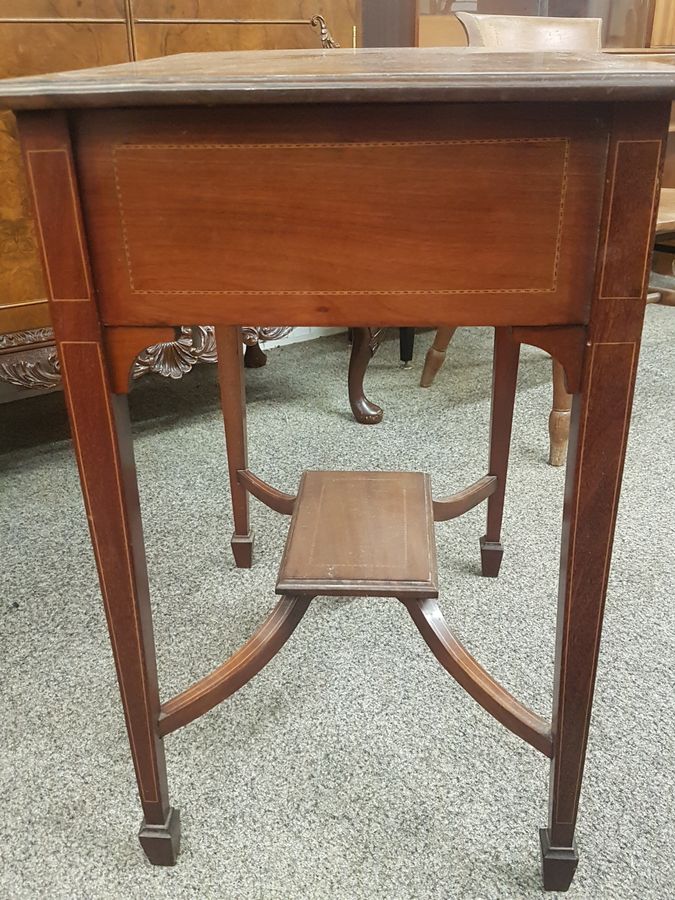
(33,367)
(173,359)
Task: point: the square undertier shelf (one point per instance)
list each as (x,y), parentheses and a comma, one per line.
(361,534)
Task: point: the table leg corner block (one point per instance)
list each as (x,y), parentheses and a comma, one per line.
(161,843)
(558,863)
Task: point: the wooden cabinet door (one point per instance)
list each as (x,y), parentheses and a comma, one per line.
(29,46)
(207,25)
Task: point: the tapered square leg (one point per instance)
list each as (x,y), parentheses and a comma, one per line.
(504,378)
(161,843)
(99,421)
(558,864)
(598,436)
(233,404)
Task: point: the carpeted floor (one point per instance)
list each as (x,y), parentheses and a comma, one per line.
(353,766)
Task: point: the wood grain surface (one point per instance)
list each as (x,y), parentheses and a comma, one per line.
(291,211)
(406,74)
(368,533)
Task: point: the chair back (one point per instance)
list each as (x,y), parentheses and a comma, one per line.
(524,33)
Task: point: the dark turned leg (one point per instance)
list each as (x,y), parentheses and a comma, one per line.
(504,378)
(254,357)
(406,340)
(559,419)
(233,404)
(365,412)
(435,357)
(102,440)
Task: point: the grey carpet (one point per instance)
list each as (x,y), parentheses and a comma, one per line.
(353,766)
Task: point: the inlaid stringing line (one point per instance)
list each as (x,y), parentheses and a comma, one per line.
(104,587)
(121,148)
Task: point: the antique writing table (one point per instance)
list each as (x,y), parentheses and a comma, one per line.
(203,188)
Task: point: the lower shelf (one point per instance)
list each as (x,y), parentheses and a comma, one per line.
(361,533)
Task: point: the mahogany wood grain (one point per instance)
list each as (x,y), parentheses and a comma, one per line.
(186,214)
(566,344)
(494,698)
(461,502)
(243,665)
(233,404)
(613,170)
(367,534)
(599,432)
(504,380)
(270,496)
(101,431)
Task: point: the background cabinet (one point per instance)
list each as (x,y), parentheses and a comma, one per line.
(626,23)
(38,36)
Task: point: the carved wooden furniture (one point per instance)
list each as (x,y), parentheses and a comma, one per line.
(137,173)
(38,36)
(523,33)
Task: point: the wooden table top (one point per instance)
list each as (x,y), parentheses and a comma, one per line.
(406,74)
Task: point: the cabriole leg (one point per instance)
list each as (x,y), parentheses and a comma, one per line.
(365,411)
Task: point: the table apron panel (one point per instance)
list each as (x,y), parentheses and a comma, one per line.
(449,213)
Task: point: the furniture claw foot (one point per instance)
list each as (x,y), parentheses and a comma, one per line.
(161,843)
(558,864)
(491,553)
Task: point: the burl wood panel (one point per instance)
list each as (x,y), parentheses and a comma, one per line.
(25,49)
(165,39)
(63,9)
(333,215)
(361,532)
(23,302)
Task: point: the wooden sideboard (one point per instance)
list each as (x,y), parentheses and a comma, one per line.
(39,36)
